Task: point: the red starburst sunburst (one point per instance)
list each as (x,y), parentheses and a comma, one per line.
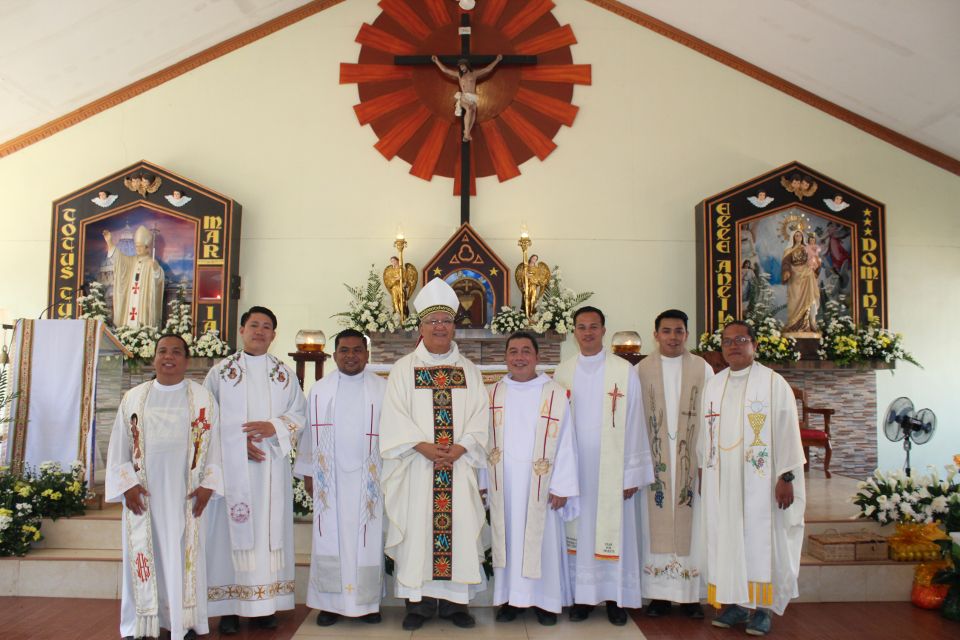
(410,108)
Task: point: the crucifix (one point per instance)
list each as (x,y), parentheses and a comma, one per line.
(614,395)
(370,434)
(473,60)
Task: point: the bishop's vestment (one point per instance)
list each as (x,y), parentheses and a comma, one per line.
(435,515)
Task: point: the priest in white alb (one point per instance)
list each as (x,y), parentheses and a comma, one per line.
(614,462)
(671,540)
(433,438)
(533,483)
(250,562)
(752,487)
(163,463)
(339,460)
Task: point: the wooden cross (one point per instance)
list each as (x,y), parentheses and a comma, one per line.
(475,61)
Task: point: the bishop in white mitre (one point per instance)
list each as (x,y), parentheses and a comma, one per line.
(163,462)
(533,483)
(339,460)
(614,461)
(433,438)
(671,540)
(250,561)
(752,487)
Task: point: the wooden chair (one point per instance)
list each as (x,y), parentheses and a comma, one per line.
(811,437)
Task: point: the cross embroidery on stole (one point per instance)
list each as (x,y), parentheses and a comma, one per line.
(441,381)
(542,466)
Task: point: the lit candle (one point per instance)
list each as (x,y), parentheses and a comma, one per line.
(523,230)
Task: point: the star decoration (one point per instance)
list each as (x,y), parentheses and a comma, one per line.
(494,271)
(436,271)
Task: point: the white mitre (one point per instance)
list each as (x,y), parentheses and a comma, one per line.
(436,295)
(142,236)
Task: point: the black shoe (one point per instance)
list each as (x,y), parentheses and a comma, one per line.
(658,608)
(266,622)
(507,613)
(229,625)
(372,618)
(580,612)
(461,619)
(413,621)
(546,618)
(616,615)
(692,610)
(190,635)
(327,618)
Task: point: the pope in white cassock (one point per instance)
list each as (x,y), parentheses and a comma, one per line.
(339,459)
(671,540)
(163,462)
(250,562)
(752,487)
(533,484)
(433,438)
(614,461)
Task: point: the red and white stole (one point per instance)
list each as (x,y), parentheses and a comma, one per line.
(553,407)
(201,409)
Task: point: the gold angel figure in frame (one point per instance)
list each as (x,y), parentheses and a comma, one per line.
(400,285)
(142,184)
(532,279)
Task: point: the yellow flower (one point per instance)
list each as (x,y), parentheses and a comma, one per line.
(56,495)
(74,487)
(8,512)
(24,491)
(47,492)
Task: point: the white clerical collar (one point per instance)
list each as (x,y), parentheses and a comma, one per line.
(537,381)
(250,356)
(672,358)
(743,372)
(169,387)
(597,357)
(438,358)
(354,379)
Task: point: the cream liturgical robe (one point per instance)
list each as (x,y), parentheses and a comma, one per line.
(673,395)
(137,290)
(165,439)
(525,468)
(250,561)
(339,449)
(605,397)
(750,438)
(435,516)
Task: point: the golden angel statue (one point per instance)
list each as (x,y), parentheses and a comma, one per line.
(400,285)
(532,279)
(142,184)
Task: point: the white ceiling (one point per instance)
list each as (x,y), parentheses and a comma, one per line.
(896,62)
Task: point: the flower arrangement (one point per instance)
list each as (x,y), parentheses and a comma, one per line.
(26,498)
(556,307)
(94,305)
(209,345)
(845,343)
(897,497)
(141,342)
(368,312)
(302,500)
(509,319)
(179,320)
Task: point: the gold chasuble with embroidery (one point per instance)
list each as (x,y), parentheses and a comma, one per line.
(435,514)
(750,438)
